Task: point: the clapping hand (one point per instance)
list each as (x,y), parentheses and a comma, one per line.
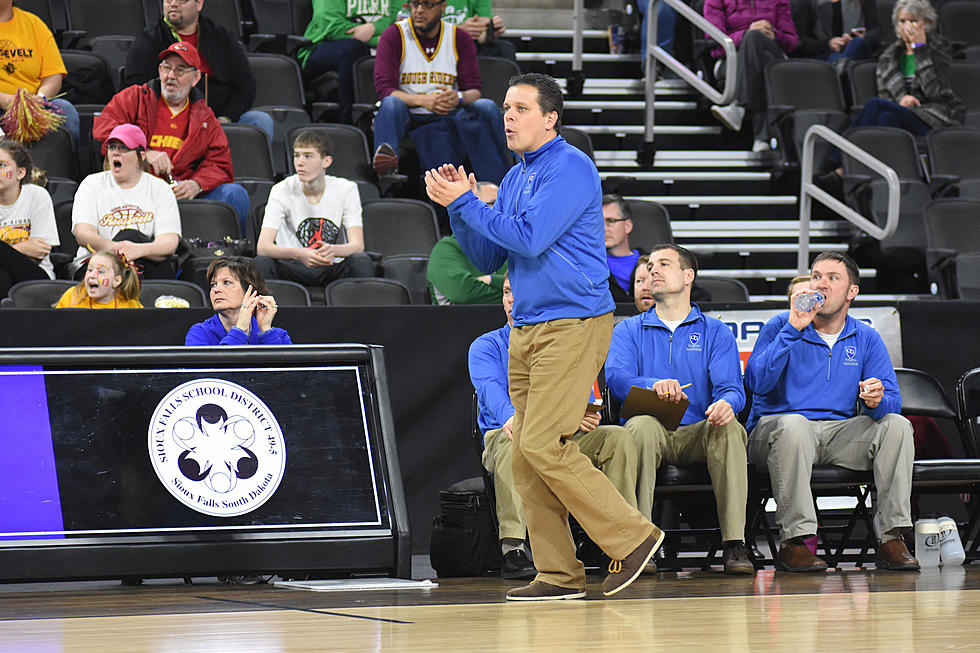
(444,185)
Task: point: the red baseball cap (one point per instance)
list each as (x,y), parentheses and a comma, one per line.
(129,135)
(185,51)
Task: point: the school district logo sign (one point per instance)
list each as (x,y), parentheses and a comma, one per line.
(217,447)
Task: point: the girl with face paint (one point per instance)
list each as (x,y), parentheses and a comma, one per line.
(27,226)
(109,282)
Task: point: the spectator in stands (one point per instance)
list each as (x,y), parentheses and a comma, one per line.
(226,79)
(29,59)
(427,76)
(684,355)
(642,297)
(619,255)
(312,232)
(110,281)
(836,30)
(186,143)
(610,448)
(802,416)
(243,307)
(763,31)
(27,226)
(453,277)
(342,32)
(477,19)
(666,24)
(127,210)
(913,82)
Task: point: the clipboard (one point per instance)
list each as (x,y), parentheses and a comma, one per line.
(643,401)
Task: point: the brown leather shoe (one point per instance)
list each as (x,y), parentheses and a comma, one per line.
(894,555)
(623,572)
(542,591)
(795,556)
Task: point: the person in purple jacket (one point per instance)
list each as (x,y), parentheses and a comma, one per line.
(763,31)
(244,309)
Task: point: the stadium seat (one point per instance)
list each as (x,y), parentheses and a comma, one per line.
(279,25)
(410,271)
(867,192)
(399,226)
(952,229)
(862,84)
(366,292)
(43,293)
(55,155)
(208,220)
(365,95)
(288,293)
(794,106)
(953,159)
(579,139)
(964,78)
(279,92)
(495,74)
(968,276)
(651,223)
(958,21)
(723,290)
(151,289)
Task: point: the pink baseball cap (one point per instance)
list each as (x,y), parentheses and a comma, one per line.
(129,135)
(185,51)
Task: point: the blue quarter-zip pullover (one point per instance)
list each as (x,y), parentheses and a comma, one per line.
(793,371)
(547,224)
(701,351)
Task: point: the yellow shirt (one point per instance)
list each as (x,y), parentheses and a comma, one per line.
(76,297)
(28,53)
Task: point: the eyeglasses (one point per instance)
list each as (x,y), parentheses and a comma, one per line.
(416,4)
(177,2)
(179,71)
(611,221)
(118,147)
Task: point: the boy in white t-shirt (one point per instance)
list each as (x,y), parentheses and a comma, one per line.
(311,231)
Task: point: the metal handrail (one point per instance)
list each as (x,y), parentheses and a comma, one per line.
(809,192)
(656,53)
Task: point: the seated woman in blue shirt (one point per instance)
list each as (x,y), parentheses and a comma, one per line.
(244,309)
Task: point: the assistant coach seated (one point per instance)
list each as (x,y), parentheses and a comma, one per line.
(187,146)
(807,372)
(671,347)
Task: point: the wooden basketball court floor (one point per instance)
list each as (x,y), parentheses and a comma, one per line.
(842,610)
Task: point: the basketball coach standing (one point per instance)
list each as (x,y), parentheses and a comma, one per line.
(547,223)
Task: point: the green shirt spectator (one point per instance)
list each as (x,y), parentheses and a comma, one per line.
(455,280)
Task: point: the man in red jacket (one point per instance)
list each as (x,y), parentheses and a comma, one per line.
(187,146)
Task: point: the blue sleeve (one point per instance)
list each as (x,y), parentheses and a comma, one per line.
(622,362)
(770,355)
(236,336)
(724,369)
(878,364)
(274,336)
(198,335)
(561,195)
(489,377)
(486,255)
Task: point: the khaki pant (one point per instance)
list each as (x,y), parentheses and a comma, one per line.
(552,367)
(722,448)
(790,445)
(610,448)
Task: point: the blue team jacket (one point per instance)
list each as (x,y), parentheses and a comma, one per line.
(701,351)
(793,371)
(212,332)
(488,373)
(547,224)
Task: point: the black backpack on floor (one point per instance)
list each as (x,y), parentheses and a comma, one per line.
(464,534)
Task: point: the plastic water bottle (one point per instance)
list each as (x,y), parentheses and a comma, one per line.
(927,542)
(950,547)
(807,301)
